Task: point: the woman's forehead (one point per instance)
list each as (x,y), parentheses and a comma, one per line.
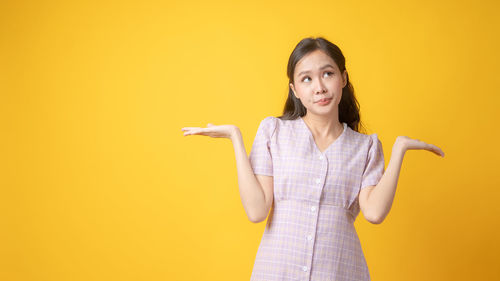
(313,61)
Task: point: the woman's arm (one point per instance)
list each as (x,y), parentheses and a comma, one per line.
(256,191)
(376,201)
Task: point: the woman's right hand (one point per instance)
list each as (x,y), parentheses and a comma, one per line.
(220,131)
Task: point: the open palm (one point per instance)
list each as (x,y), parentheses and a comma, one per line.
(220,131)
(409,143)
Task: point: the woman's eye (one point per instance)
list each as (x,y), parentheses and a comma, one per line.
(307,77)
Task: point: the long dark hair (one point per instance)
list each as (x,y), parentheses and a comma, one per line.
(348,106)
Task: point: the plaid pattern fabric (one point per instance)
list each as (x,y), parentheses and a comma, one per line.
(310,234)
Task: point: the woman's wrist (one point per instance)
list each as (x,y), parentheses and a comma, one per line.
(235,133)
(399,145)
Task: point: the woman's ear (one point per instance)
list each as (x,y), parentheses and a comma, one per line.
(345,78)
(293,90)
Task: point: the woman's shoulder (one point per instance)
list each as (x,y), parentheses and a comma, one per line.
(267,122)
(277,122)
(269,125)
(367,139)
(269,119)
(274,124)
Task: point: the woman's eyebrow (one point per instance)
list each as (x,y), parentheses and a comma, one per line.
(323,67)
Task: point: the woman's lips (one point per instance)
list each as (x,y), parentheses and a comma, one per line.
(324,101)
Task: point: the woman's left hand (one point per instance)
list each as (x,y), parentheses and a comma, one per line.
(407,143)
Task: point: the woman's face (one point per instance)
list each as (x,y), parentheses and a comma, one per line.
(318,77)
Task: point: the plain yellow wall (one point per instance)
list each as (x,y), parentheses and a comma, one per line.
(99,183)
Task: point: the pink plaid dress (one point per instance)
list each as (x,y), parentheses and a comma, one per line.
(310,234)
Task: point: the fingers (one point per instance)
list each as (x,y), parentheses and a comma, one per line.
(419,144)
(435,149)
(196,130)
(188,130)
(191,128)
(439,151)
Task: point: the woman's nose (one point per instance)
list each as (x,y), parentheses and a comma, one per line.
(319,87)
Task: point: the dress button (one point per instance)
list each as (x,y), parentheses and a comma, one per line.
(304,268)
(318,180)
(309,237)
(313,208)
(321,157)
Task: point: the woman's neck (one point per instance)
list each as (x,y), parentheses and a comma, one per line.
(323,126)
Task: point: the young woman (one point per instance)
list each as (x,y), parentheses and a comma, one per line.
(312,172)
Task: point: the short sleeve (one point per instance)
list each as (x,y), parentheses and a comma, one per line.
(375,164)
(260,154)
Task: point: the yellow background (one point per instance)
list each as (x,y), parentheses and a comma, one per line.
(99,183)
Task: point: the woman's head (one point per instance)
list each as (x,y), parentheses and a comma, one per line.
(316,70)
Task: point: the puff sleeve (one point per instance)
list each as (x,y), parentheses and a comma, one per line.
(375,164)
(260,154)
